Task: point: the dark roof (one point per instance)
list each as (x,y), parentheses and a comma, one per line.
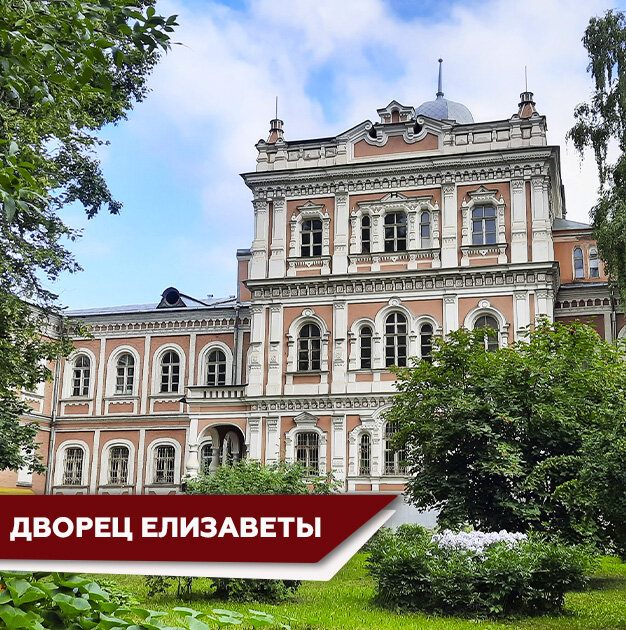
(566,224)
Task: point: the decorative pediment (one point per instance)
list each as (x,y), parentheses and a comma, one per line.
(395,112)
(310,209)
(305,420)
(483,194)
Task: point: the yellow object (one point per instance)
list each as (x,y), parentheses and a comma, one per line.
(15,491)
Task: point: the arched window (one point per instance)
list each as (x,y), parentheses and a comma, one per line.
(491,341)
(365,347)
(579,264)
(164,464)
(308,451)
(365,454)
(483,225)
(366,234)
(206,457)
(594,263)
(125,374)
(395,340)
(216,368)
(170,372)
(309,348)
(81,375)
(118,465)
(311,238)
(393,457)
(395,232)
(426,342)
(425,236)
(73,466)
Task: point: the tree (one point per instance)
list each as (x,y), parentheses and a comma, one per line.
(526,437)
(600,124)
(67,69)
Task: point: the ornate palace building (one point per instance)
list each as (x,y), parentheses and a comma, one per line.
(366,245)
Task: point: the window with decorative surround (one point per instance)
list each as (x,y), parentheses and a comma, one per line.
(125,374)
(366,234)
(394,458)
(426,342)
(396,340)
(579,264)
(426,240)
(491,341)
(395,232)
(484,225)
(309,348)
(311,238)
(307,451)
(164,464)
(81,375)
(365,347)
(216,368)
(170,372)
(118,465)
(206,457)
(73,466)
(365,454)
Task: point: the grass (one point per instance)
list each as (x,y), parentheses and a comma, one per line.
(345,603)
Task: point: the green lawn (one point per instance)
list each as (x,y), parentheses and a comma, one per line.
(346,603)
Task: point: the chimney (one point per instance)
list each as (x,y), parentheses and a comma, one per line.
(276,131)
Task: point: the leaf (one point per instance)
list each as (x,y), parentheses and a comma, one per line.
(9,208)
(15,617)
(95,591)
(23,591)
(71,606)
(13,148)
(187,611)
(196,624)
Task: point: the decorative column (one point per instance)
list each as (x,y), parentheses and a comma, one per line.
(522,313)
(338,447)
(254,427)
(542,249)
(272,439)
(519,235)
(450,313)
(257,351)
(192,465)
(279,237)
(275,355)
(340,347)
(259,248)
(342,222)
(449,222)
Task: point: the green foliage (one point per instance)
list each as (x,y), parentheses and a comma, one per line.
(39,601)
(67,69)
(252,477)
(601,123)
(530,437)
(530,578)
(241,590)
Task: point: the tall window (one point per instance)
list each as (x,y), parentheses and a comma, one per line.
(308,451)
(365,454)
(170,372)
(425,236)
(426,342)
(125,375)
(395,232)
(216,368)
(366,234)
(206,457)
(164,464)
(393,457)
(73,466)
(594,263)
(309,348)
(311,235)
(579,264)
(81,375)
(365,347)
(491,341)
(483,225)
(395,340)
(118,465)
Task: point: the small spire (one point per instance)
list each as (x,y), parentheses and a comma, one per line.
(276,127)
(440,83)
(526,107)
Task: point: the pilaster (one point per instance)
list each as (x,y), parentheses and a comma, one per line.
(450,313)
(519,229)
(342,222)
(275,351)
(338,446)
(257,351)
(279,237)
(449,223)
(258,263)
(340,347)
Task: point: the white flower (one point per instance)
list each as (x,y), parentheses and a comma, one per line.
(476,541)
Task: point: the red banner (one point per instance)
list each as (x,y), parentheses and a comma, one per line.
(266,529)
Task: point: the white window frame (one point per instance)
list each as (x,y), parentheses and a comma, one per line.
(151,457)
(485,308)
(305,212)
(156,370)
(307,423)
(593,249)
(582,256)
(203,358)
(354,361)
(111,380)
(308,317)
(68,374)
(104,462)
(59,469)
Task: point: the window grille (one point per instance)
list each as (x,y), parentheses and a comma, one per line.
(170,372)
(73,466)
(309,348)
(395,340)
(366,235)
(307,451)
(426,342)
(491,341)
(395,232)
(216,368)
(425,236)
(365,455)
(125,376)
(311,238)
(118,465)
(164,464)
(365,350)
(394,458)
(483,225)
(206,457)
(81,376)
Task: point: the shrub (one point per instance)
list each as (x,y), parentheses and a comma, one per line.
(242,590)
(513,575)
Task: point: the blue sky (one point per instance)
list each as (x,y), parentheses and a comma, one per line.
(175,163)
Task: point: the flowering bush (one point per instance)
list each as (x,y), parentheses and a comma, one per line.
(475,573)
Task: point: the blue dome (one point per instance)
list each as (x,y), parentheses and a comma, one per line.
(443,109)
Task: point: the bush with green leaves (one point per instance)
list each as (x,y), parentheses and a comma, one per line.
(241,590)
(56,601)
(413,572)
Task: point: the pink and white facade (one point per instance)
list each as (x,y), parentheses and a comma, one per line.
(366,245)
